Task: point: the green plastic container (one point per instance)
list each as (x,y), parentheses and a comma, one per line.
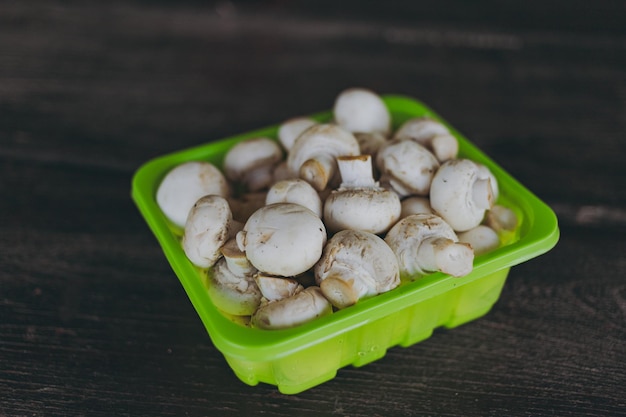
(300,358)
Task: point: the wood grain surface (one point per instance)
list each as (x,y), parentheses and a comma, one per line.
(93,321)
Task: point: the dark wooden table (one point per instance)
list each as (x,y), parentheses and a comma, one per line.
(94,322)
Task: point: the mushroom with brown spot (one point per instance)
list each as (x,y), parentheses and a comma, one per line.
(313,155)
(292,311)
(355,265)
(207,229)
(406,167)
(425,243)
(231,282)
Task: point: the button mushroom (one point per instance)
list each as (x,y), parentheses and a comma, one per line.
(206,230)
(425,243)
(276,288)
(295,191)
(283,239)
(482,238)
(300,308)
(290,129)
(432,134)
(185,184)
(406,167)
(356,264)
(231,283)
(359,203)
(415,205)
(251,162)
(460,195)
(313,154)
(361,110)
(501,219)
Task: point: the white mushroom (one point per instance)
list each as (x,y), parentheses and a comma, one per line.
(276,288)
(283,239)
(482,238)
(360,203)
(460,195)
(251,162)
(432,134)
(406,167)
(231,283)
(206,230)
(300,308)
(290,129)
(425,243)
(313,154)
(355,265)
(362,110)
(184,185)
(415,205)
(501,218)
(295,191)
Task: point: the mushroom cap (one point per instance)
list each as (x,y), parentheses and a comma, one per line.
(356,264)
(406,166)
(406,236)
(361,110)
(421,129)
(207,230)
(283,239)
(290,129)
(415,205)
(459,194)
(276,288)
(482,238)
(300,308)
(372,210)
(236,294)
(295,191)
(251,155)
(184,185)
(321,143)
(432,134)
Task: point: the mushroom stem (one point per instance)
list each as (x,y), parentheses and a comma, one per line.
(482,194)
(236,260)
(445,255)
(318,171)
(339,292)
(356,171)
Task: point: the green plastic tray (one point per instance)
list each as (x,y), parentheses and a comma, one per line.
(300,358)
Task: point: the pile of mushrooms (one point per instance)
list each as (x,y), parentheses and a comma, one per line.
(327,214)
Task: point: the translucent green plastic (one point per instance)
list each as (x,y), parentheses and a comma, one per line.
(302,357)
